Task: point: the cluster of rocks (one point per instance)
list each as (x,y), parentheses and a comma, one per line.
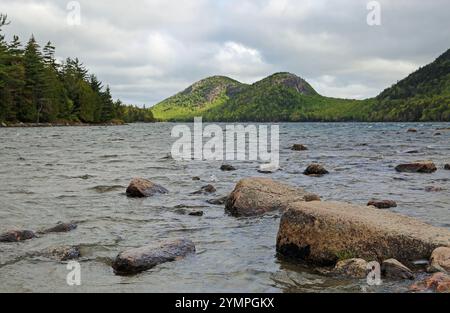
(344,236)
(62,253)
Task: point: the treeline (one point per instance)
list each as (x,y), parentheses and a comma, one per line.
(35,88)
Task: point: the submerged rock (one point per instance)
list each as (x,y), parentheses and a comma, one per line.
(257,196)
(219,201)
(299,147)
(433,189)
(64,253)
(447,167)
(311,197)
(412,130)
(60,228)
(383,204)
(354,268)
(196,213)
(439,282)
(394,269)
(417,167)
(440,260)
(196,178)
(140,188)
(227,168)
(315,170)
(141,259)
(319,232)
(190,213)
(17,235)
(205,189)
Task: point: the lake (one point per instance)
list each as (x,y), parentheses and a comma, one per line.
(80,174)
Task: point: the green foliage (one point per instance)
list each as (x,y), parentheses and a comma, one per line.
(35,88)
(422,96)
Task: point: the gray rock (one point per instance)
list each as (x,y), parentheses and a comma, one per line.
(141,259)
(299,147)
(394,269)
(64,253)
(60,228)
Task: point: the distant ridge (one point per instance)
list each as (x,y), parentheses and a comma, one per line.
(422,96)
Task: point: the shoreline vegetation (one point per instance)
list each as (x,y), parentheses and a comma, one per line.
(36,89)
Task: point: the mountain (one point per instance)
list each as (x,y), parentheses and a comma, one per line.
(422,96)
(198,98)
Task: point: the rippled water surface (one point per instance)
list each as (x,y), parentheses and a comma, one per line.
(80,174)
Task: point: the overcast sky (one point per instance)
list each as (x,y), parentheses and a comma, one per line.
(147,50)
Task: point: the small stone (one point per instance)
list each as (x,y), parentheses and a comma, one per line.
(433,189)
(64,253)
(299,147)
(394,269)
(60,228)
(438,134)
(219,201)
(17,235)
(196,213)
(227,168)
(384,204)
(412,130)
(354,268)
(196,178)
(312,197)
(440,260)
(205,189)
(447,167)
(268,169)
(417,167)
(140,188)
(315,170)
(137,260)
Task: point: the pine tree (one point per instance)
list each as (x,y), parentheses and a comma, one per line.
(107,106)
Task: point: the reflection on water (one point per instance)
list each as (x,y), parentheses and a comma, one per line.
(80,174)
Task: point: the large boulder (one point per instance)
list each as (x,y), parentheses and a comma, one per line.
(394,269)
(140,188)
(321,232)
(257,196)
(440,260)
(417,167)
(17,235)
(141,259)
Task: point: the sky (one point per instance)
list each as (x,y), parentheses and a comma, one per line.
(148,50)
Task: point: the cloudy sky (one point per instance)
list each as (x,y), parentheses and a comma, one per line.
(147,50)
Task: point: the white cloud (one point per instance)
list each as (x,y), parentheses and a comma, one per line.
(150,49)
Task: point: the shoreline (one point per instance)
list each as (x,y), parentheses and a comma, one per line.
(62,124)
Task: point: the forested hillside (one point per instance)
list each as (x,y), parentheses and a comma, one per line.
(35,88)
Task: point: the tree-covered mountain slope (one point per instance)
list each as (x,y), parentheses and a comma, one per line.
(198,98)
(422,96)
